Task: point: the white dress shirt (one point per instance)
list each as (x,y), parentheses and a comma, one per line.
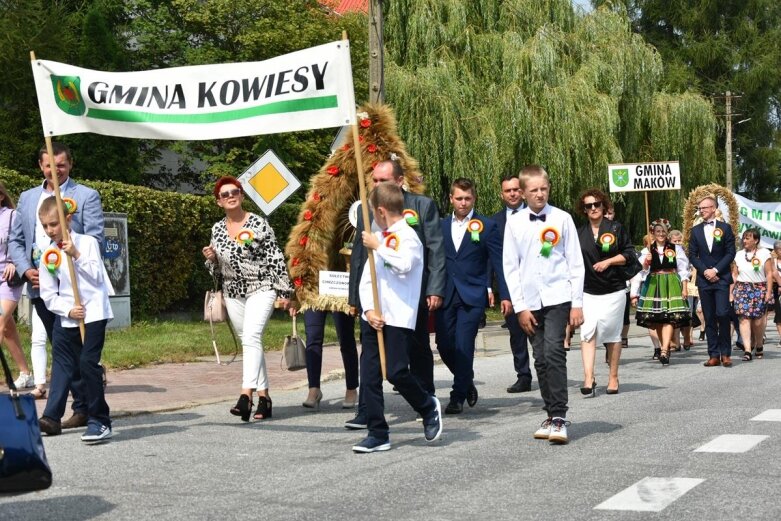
(94,284)
(535,281)
(708,228)
(458,228)
(399,277)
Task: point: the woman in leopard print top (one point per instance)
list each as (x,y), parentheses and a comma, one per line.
(244,255)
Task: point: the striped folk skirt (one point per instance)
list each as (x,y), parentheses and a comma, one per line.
(660,302)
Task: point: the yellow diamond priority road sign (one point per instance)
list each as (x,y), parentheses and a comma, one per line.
(268,182)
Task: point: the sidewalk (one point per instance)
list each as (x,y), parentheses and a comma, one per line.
(167,387)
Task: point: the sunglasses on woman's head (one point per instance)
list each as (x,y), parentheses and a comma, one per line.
(589,206)
(230,193)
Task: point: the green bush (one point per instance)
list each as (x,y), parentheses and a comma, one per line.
(166,232)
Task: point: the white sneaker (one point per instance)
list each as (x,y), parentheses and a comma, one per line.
(25,381)
(558,431)
(544,431)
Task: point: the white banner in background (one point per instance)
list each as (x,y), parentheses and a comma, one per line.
(765,217)
(307,89)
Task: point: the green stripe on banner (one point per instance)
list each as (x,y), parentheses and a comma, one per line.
(279,107)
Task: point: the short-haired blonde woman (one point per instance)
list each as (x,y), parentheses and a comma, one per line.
(244,255)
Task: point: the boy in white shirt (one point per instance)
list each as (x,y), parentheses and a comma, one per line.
(398,259)
(69,352)
(544,272)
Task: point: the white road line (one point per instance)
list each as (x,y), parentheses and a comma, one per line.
(650,494)
(732,443)
(770,415)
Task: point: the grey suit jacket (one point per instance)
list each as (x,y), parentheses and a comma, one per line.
(88,220)
(430,234)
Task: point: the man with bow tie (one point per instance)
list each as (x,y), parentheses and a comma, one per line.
(711,251)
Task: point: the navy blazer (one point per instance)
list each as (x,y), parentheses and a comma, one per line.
(468,270)
(87,220)
(430,235)
(720,257)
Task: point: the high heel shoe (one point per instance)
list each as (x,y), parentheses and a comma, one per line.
(242,408)
(608,390)
(657,353)
(264,408)
(585,391)
(349,403)
(664,357)
(314,403)
(702,336)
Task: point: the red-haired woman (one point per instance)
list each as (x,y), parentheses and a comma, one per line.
(605,245)
(243,254)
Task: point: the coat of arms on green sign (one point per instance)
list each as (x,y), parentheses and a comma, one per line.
(621,177)
(67,94)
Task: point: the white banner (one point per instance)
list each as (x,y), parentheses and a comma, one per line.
(765,217)
(308,89)
(640,177)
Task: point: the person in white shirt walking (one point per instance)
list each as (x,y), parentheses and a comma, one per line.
(398,259)
(71,352)
(544,272)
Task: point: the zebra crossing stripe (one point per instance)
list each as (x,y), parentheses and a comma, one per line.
(770,415)
(650,494)
(732,443)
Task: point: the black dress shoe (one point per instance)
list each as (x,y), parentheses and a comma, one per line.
(471,395)
(454,408)
(520,386)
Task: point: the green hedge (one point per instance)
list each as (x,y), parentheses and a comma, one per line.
(166,231)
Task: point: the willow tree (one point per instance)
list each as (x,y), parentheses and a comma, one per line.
(482,87)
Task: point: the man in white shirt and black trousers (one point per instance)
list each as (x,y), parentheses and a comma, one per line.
(544,273)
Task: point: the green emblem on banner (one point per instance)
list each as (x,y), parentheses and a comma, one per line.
(67,94)
(621,177)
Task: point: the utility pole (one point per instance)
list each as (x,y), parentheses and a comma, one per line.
(728,144)
(376,59)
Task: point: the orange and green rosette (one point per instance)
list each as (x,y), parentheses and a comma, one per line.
(391,241)
(669,254)
(411,216)
(549,237)
(70,204)
(245,236)
(607,240)
(756,263)
(52,258)
(718,233)
(475,226)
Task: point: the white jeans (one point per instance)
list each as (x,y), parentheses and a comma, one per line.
(38,349)
(249,317)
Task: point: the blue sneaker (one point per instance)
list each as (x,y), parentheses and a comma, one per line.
(96,433)
(432,426)
(371,444)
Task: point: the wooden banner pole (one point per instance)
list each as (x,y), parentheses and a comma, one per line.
(63,223)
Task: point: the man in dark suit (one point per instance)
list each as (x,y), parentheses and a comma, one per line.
(471,242)
(422,215)
(711,251)
(28,240)
(513,199)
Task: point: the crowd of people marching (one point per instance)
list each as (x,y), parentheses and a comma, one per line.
(548,277)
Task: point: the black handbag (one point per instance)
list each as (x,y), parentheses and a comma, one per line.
(23,464)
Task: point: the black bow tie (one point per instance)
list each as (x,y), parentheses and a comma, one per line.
(514,212)
(712,223)
(540,217)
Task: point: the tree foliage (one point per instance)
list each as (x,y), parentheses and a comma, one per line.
(730,45)
(482,88)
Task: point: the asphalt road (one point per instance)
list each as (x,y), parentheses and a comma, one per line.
(637,450)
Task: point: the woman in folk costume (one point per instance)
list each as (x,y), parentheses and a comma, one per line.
(662,303)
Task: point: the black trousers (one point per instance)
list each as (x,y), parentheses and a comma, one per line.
(519,345)
(69,355)
(48,318)
(314,321)
(550,359)
(398,373)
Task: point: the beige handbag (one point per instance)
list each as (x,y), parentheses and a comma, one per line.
(214,307)
(294,351)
